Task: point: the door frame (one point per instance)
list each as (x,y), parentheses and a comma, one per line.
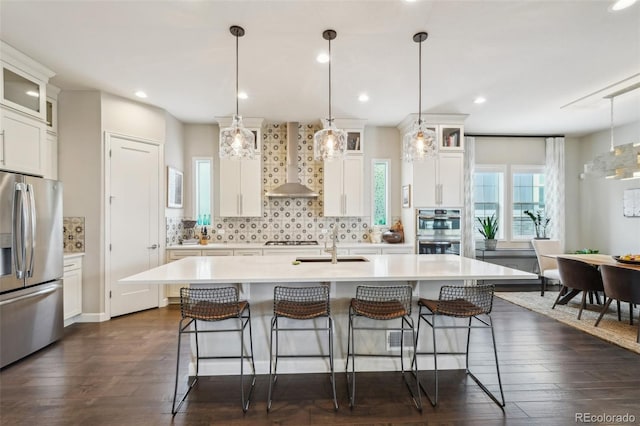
(106,213)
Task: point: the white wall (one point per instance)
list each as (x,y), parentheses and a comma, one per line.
(84,116)
(174,157)
(80,170)
(602,225)
(200,140)
(383,143)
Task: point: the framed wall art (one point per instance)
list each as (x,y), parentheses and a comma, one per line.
(631,202)
(174,188)
(406,196)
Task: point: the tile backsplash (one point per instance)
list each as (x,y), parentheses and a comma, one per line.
(74,232)
(295,219)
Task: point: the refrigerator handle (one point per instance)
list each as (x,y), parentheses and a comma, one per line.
(19,224)
(32,228)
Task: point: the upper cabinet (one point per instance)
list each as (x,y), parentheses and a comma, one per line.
(355,133)
(24,83)
(342,187)
(240,191)
(51,109)
(438,181)
(23,113)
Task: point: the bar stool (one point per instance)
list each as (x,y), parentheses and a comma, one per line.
(383,304)
(300,303)
(209,305)
(460,302)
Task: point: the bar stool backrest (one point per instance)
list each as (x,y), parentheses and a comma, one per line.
(209,304)
(382,295)
(621,283)
(301,302)
(466,300)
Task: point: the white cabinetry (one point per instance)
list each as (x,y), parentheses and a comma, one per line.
(22,112)
(439,181)
(241,188)
(72,288)
(22,140)
(343,187)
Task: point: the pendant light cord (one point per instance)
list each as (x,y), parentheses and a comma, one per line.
(237,110)
(420,83)
(330,119)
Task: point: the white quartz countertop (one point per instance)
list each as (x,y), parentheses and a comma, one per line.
(73,255)
(269,269)
(218,246)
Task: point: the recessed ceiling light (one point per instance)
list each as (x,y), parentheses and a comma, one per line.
(243,95)
(363,97)
(323,58)
(479,100)
(141,94)
(33,93)
(621,4)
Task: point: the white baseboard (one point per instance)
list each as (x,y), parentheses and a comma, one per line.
(92,317)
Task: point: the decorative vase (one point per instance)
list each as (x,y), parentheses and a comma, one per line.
(490,244)
(392,237)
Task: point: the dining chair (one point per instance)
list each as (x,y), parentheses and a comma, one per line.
(580,276)
(548,266)
(623,285)
(213,305)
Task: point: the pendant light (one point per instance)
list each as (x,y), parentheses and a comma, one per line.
(236,141)
(420,142)
(329,143)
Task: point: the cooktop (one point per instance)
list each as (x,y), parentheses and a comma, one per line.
(291,243)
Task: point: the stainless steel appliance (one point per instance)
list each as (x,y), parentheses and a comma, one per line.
(291,243)
(439,231)
(31,265)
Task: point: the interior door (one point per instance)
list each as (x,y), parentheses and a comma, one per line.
(134,221)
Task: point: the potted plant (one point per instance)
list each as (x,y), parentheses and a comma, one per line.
(489,228)
(540,222)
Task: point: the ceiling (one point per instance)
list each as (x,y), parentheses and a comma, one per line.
(527,58)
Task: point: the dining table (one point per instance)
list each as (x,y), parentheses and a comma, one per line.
(592,259)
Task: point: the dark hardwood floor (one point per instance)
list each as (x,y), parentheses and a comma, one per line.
(121,373)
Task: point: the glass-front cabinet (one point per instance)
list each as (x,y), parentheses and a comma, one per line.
(451,137)
(23,92)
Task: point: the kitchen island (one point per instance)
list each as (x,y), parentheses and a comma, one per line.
(257,276)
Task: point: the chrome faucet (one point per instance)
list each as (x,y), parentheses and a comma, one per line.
(333,250)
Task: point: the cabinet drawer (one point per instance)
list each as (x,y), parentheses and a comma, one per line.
(224,252)
(247,252)
(175,255)
(72,264)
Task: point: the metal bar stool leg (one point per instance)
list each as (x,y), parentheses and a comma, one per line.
(333,375)
(272,368)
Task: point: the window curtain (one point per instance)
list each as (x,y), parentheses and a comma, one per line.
(468,233)
(554,188)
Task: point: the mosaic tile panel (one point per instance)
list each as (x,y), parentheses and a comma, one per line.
(74,233)
(295,219)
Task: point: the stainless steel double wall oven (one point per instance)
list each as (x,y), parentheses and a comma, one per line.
(439,231)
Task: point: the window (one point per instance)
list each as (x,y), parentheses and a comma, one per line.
(380,191)
(203,189)
(489,196)
(528,194)
(507,191)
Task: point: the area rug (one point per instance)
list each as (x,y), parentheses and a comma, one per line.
(609,329)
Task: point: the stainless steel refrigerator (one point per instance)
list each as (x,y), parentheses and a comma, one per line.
(31,265)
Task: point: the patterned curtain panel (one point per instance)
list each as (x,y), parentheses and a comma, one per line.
(554,188)
(468,234)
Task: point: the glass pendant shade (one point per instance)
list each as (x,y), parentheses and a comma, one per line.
(419,143)
(329,143)
(236,141)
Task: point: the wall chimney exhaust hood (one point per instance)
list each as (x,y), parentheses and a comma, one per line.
(292,189)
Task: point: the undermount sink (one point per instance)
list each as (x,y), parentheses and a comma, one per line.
(328,259)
